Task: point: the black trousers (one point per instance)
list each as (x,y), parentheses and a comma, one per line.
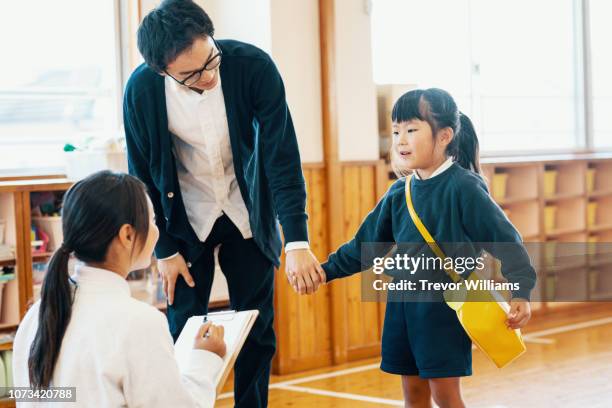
(250,280)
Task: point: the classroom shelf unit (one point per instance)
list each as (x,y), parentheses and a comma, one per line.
(559,199)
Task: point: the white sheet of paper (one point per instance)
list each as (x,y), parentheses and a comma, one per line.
(233,323)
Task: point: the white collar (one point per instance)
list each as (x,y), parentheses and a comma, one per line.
(443,167)
(183,90)
(99,279)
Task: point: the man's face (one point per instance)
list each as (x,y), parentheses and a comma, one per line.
(202,51)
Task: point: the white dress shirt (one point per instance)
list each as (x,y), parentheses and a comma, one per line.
(204,161)
(117,351)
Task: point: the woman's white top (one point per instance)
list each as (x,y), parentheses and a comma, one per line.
(118,351)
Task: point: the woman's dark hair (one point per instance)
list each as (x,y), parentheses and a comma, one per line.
(169,29)
(94,209)
(438,108)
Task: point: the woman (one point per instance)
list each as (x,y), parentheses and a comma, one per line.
(87,331)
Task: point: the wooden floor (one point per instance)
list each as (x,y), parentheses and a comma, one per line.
(568,364)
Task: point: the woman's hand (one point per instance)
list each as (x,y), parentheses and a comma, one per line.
(520,313)
(210,338)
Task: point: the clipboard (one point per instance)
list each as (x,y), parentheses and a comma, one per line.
(237,327)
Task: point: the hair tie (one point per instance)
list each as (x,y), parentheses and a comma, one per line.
(65,249)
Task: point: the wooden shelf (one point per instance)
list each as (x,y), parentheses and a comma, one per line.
(145,296)
(561,197)
(8,262)
(41,257)
(7,403)
(6,346)
(530,237)
(553,270)
(59,184)
(599,296)
(540,158)
(565,231)
(600,193)
(599,228)
(598,264)
(8,326)
(515,200)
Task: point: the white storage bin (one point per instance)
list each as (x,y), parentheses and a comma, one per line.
(80,164)
(4,281)
(52,226)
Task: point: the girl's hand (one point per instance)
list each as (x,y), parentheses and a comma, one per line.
(520,313)
(210,338)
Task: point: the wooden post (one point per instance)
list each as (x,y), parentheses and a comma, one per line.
(333,172)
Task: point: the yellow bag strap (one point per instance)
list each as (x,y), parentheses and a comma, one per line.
(425,233)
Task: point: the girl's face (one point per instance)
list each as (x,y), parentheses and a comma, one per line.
(416,148)
(143,260)
(413,143)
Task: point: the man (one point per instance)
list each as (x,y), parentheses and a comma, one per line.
(209,131)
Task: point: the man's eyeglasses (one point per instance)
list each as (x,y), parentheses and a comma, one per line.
(211,64)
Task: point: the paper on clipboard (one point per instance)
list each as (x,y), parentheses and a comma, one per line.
(237,326)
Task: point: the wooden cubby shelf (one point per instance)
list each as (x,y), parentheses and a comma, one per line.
(550,199)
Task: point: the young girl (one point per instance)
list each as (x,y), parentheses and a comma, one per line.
(424,341)
(87,332)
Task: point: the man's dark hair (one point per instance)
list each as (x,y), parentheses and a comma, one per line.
(170,29)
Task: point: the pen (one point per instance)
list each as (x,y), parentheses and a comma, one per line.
(207,334)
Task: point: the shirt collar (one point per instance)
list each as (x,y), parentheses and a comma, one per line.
(99,279)
(179,89)
(443,167)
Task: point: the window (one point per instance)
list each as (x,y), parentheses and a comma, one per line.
(601,62)
(408,49)
(58,80)
(511,65)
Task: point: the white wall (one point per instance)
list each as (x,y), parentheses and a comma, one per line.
(296,51)
(243,20)
(356,91)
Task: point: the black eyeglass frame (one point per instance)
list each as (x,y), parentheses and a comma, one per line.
(198,74)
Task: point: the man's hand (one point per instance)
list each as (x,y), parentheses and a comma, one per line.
(170,269)
(520,313)
(303,271)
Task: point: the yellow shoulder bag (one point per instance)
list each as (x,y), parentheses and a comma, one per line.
(483,320)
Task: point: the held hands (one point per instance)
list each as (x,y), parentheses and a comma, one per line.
(304,271)
(210,338)
(520,313)
(170,269)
